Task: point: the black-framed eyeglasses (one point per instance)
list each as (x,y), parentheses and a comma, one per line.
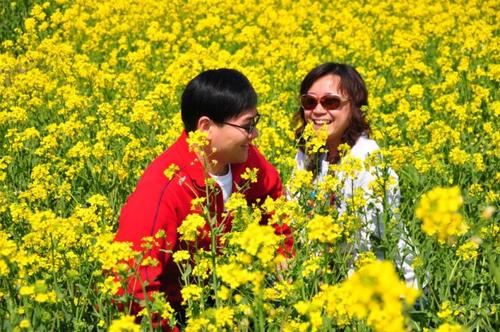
(249,128)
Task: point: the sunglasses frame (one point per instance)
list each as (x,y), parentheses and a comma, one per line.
(248,128)
(320,100)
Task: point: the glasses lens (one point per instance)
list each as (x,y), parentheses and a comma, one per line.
(330,102)
(255,120)
(251,127)
(308,102)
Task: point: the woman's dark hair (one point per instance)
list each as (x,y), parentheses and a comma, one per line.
(219,94)
(351,84)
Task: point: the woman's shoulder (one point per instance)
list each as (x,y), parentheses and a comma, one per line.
(363,147)
(300,159)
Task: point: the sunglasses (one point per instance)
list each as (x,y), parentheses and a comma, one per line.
(249,128)
(328,102)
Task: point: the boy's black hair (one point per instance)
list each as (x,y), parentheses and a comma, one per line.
(220,94)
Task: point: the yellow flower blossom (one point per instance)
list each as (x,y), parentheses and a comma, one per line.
(191,292)
(181,256)
(171,171)
(250,174)
(324,229)
(224,317)
(110,286)
(26,290)
(235,275)
(202,268)
(258,240)
(438,209)
(468,250)
(124,324)
(150,261)
(236,201)
(373,293)
(189,227)
(447,327)
(113,254)
(197,141)
(199,324)
(365,258)
(315,140)
(301,180)
(198,202)
(458,156)
(310,266)
(24,324)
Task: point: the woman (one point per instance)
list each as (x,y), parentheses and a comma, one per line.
(332,96)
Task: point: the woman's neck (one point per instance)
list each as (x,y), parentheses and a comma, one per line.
(332,146)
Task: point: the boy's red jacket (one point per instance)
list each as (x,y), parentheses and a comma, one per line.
(162,204)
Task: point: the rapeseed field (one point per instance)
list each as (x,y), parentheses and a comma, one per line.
(90,94)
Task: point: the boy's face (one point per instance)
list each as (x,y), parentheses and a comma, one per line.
(231,142)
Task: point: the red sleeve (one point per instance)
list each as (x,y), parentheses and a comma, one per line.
(148,210)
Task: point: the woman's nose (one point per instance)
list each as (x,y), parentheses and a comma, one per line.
(319,109)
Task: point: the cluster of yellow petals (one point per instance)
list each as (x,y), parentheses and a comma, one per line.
(373,293)
(439,211)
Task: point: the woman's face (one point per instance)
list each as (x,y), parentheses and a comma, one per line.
(337,119)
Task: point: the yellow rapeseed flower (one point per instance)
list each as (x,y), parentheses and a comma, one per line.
(24,324)
(324,229)
(301,180)
(181,256)
(235,202)
(199,324)
(170,171)
(197,141)
(439,211)
(188,230)
(259,241)
(109,286)
(224,317)
(235,275)
(250,174)
(468,250)
(315,139)
(124,324)
(191,292)
(376,293)
(445,311)
(450,327)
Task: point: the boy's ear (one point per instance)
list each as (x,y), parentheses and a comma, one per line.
(204,123)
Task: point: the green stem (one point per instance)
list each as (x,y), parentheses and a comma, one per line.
(451,277)
(212,221)
(261,310)
(213,238)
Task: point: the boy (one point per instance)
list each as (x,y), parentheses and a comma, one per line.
(221,104)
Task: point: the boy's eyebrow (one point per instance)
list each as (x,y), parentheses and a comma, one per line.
(250,117)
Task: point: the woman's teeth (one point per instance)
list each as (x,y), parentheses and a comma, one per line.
(322,122)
